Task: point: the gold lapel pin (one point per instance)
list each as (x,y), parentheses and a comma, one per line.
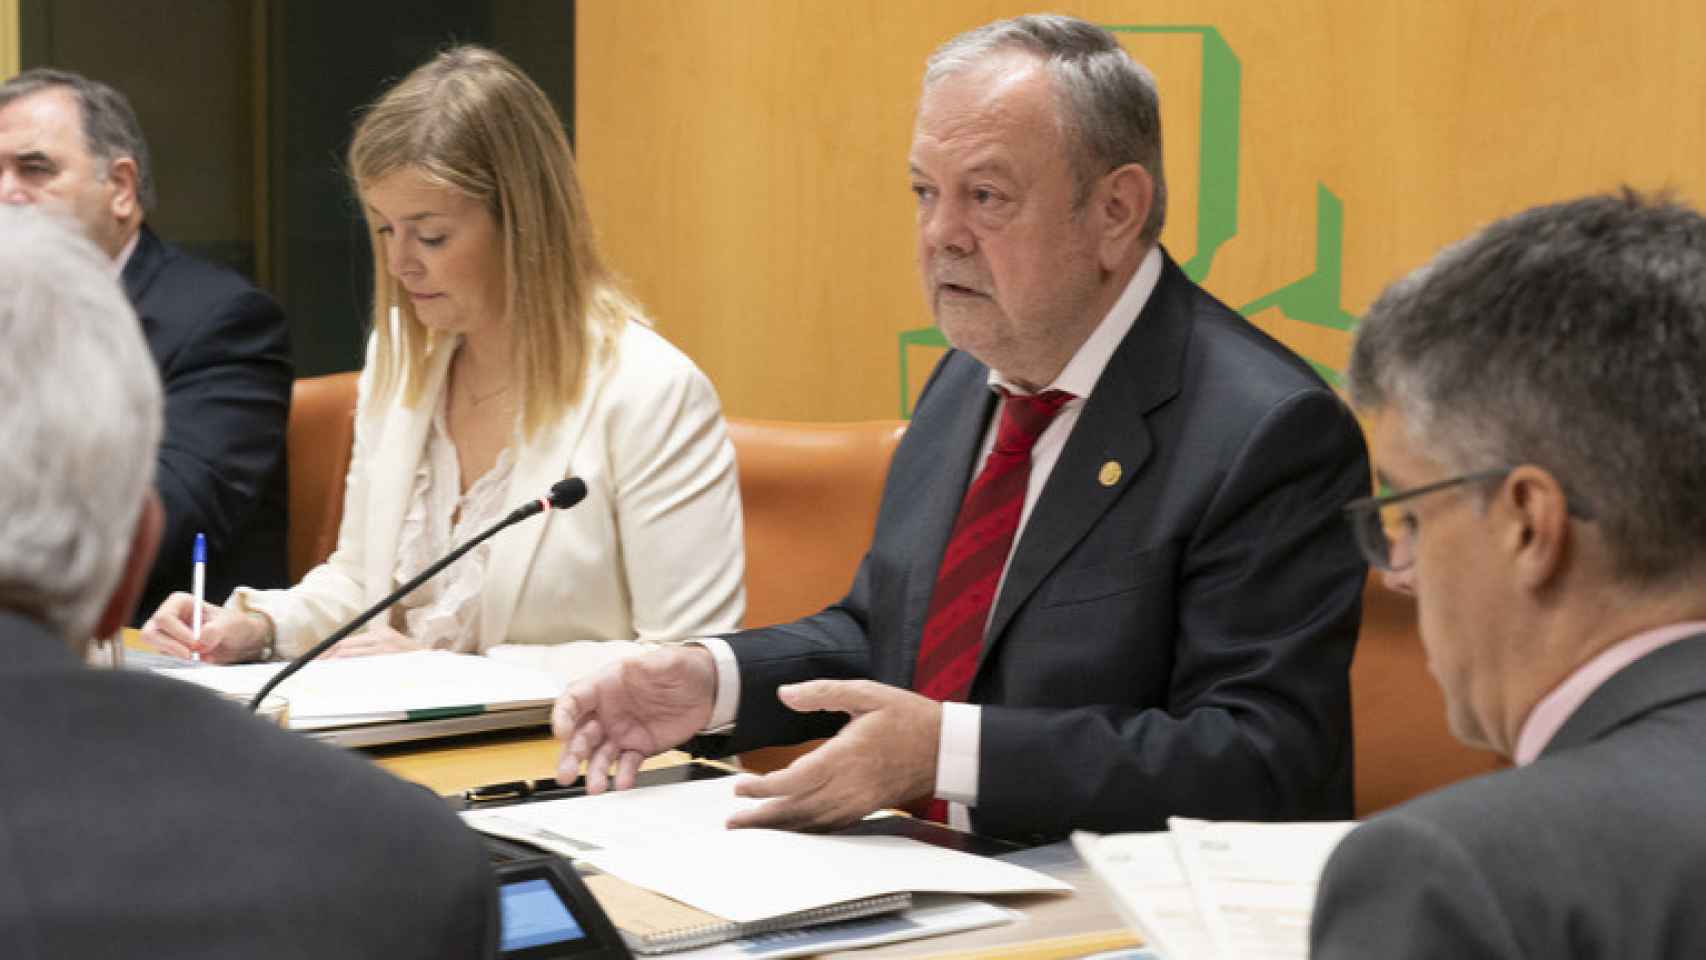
(1110,474)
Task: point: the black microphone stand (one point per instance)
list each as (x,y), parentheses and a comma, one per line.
(564,494)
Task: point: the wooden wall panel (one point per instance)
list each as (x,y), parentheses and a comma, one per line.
(8,38)
(746,160)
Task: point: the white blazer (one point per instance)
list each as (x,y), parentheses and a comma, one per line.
(653,553)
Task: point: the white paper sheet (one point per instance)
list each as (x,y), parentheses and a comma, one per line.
(671,839)
(1150,890)
(1255,882)
(344,691)
(1228,890)
(668,813)
(746,875)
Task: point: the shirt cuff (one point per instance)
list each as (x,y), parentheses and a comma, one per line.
(956,753)
(728,684)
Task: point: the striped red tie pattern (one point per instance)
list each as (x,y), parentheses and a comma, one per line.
(977,552)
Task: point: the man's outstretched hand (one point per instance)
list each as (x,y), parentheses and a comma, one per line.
(631,710)
(884,757)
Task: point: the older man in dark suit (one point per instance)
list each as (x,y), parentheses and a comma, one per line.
(1108,581)
(221,346)
(1538,395)
(142,816)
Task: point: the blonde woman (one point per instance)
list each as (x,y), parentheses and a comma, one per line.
(503,359)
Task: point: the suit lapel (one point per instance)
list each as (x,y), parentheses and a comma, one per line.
(964,411)
(538,464)
(392,476)
(1143,374)
(1665,676)
(147,261)
(144,264)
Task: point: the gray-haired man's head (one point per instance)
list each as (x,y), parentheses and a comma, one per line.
(1108,104)
(80,419)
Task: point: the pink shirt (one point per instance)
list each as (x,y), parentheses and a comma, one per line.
(1549,715)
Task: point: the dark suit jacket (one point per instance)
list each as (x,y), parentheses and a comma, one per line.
(223,351)
(1177,643)
(1597,849)
(143,817)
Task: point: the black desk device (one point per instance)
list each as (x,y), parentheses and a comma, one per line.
(549,914)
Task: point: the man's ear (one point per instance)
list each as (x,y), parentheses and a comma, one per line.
(1121,203)
(123,175)
(137,562)
(1535,518)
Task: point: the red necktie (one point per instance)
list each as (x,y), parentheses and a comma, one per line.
(977,552)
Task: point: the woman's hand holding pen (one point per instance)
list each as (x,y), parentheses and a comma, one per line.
(226,636)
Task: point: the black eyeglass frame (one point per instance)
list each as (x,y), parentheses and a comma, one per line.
(1363,514)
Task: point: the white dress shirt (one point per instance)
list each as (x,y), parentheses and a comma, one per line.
(957,748)
(123,258)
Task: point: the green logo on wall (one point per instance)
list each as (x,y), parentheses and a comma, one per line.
(1313,299)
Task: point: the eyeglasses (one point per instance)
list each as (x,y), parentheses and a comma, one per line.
(1378,529)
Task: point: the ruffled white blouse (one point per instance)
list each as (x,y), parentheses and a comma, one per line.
(444,612)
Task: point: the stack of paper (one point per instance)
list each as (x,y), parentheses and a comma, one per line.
(931,915)
(425,685)
(1217,890)
(671,840)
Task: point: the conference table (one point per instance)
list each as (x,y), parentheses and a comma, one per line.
(1049,926)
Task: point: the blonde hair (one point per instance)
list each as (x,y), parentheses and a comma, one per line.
(471,121)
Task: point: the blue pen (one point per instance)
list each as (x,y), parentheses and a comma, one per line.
(198,587)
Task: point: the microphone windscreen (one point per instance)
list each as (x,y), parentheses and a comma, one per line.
(567,493)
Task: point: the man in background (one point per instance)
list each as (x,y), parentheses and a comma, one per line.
(1537,395)
(143,816)
(1109,581)
(222,347)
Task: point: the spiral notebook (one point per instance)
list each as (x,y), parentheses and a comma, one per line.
(653,923)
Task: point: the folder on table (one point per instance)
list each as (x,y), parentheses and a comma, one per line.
(653,923)
(361,701)
(682,879)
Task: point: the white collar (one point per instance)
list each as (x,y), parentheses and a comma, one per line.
(123,258)
(1080,374)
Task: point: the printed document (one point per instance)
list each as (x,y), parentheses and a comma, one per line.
(1206,890)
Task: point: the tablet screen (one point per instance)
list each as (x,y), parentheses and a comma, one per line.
(535,916)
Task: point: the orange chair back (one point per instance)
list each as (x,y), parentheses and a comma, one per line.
(810,493)
(318,441)
(1403,745)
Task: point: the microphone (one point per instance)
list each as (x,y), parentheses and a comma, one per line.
(564,494)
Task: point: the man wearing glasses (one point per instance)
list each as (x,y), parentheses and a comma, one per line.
(1537,400)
